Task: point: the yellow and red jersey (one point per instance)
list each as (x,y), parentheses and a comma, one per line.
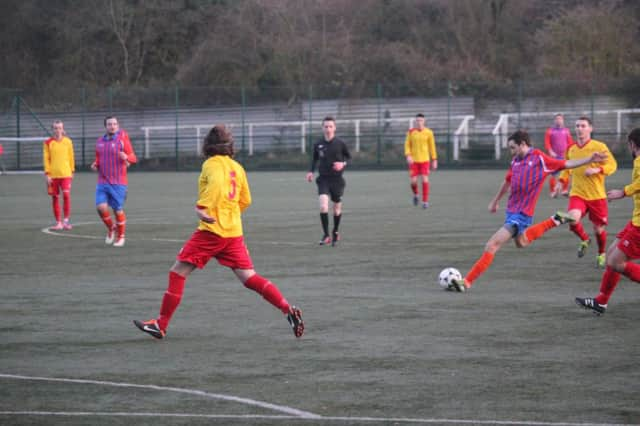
(223,191)
(590,187)
(58,158)
(633,190)
(420,145)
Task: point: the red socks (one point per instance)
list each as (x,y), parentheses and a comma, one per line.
(610,280)
(602,242)
(269,291)
(578,229)
(479,267)
(414,188)
(106,219)
(121,221)
(56,208)
(171,299)
(536,231)
(66,199)
(425,191)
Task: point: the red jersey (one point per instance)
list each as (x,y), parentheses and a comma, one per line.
(112,169)
(526,176)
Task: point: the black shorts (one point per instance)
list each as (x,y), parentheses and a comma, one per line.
(333,186)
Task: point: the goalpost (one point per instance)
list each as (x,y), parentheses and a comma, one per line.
(18,153)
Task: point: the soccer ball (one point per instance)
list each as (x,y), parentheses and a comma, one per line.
(445,277)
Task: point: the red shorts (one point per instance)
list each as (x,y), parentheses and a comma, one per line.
(58,184)
(416,169)
(629,241)
(598,209)
(203,245)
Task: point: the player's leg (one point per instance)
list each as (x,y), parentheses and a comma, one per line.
(616,262)
(500,237)
(577,209)
(323,201)
(413,182)
(598,215)
(54,191)
(537,230)
(425,189)
(119,197)
(337,191)
(102,207)
(66,198)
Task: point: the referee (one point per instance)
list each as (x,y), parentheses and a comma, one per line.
(331,155)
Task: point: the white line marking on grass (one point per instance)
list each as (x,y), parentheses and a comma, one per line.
(323,419)
(231,398)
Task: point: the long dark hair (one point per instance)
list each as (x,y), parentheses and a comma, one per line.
(219,141)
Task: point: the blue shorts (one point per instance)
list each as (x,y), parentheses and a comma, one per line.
(114,195)
(517,223)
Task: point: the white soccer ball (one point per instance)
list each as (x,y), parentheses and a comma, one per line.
(448,274)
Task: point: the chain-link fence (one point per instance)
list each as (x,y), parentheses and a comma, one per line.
(275,127)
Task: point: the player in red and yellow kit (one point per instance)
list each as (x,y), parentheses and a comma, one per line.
(626,246)
(557,139)
(420,152)
(223,193)
(59,166)
(588,191)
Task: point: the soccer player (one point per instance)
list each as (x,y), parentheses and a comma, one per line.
(420,152)
(59,166)
(525,179)
(556,141)
(114,154)
(223,193)
(331,155)
(626,246)
(588,191)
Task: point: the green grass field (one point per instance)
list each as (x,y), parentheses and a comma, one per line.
(383,343)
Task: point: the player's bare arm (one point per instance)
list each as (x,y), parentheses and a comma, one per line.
(203,216)
(615,194)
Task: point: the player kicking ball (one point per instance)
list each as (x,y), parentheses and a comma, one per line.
(524,179)
(223,193)
(626,246)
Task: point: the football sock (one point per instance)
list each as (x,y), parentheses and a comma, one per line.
(479,267)
(171,299)
(425,191)
(66,198)
(121,223)
(324,219)
(414,188)
(609,282)
(106,218)
(56,207)
(552,184)
(269,291)
(632,271)
(565,184)
(602,241)
(336,222)
(578,229)
(537,230)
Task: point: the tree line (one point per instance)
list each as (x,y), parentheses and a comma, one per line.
(50,45)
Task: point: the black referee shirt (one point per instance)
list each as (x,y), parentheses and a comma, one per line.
(326,153)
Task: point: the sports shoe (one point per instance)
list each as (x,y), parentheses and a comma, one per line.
(554,193)
(57,227)
(150,327)
(565,193)
(590,303)
(582,247)
(458,285)
(425,205)
(111,236)
(335,238)
(325,240)
(562,218)
(295,320)
(415,200)
(601,260)
(119,242)
(66,225)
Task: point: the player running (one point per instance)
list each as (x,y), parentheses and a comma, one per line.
(525,179)
(223,193)
(420,152)
(59,166)
(114,154)
(626,246)
(588,191)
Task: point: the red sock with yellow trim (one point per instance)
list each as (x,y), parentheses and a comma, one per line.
(269,291)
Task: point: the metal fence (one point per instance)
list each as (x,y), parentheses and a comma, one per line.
(275,127)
